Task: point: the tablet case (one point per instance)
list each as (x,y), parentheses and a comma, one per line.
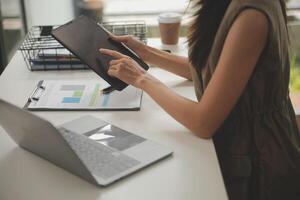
(84,37)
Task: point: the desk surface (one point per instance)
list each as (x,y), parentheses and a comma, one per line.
(191,173)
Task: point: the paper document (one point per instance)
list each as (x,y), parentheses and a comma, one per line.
(82,95)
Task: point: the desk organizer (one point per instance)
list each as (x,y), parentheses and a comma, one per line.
(42,52)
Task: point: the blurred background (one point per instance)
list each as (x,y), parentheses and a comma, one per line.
(17,16)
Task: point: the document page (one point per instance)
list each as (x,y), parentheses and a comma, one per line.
(77,95)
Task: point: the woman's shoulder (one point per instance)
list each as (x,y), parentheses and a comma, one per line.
(271,8)
(263,4)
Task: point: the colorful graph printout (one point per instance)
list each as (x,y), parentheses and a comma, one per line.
(77,95)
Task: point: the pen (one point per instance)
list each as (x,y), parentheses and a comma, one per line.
(166,50)
(108,90)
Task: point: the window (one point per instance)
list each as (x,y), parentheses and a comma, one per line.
(294,28)
(147,10)
(12,28)
(142,7)
(294,4)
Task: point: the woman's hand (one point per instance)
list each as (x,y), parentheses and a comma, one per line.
(173,63)
(137,46)
(125,69)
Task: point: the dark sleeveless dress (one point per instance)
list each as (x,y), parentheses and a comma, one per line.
(258,145)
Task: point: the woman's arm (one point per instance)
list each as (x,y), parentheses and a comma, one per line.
(178,65)
(175,64)
(241,51)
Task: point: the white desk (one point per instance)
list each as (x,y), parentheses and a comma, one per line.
(192,173)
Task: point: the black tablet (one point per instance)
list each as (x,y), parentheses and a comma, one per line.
(84,37)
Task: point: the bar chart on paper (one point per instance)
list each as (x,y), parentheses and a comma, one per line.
(76,92)
(76,95)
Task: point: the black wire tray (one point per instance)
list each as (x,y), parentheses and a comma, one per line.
(42,52)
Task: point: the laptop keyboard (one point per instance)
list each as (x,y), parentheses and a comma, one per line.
(101,160)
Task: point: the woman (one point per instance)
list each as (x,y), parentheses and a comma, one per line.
(239,63)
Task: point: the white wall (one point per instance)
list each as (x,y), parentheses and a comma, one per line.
(49,12)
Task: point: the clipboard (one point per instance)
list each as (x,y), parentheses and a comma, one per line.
(77,95)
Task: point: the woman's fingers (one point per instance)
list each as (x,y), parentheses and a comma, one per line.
(112,53)
(114,62)
(122,60)
(126,70)
(114,70)
(123,38)
(112,73)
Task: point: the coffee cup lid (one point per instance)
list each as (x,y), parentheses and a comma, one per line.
(169,18)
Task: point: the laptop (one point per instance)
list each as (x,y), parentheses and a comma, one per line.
(88,147)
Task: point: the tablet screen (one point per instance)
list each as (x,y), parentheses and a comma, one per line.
(84,37)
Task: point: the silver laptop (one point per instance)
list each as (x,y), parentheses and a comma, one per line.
(87,147)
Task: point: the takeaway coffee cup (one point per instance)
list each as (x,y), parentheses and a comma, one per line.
(169,25)
(92,9)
